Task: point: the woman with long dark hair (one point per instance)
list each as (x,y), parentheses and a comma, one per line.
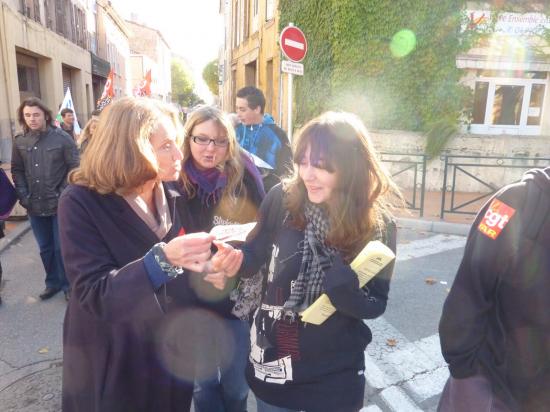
(314,224)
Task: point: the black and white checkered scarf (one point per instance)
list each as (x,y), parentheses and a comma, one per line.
(317,257)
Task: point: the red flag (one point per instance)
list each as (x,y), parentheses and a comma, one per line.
(108,92)
(144,86)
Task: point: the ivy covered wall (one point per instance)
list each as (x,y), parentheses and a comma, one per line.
(390,61)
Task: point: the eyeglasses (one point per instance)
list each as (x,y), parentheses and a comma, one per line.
(205,141)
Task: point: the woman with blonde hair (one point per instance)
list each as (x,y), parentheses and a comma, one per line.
(316,223)
(88,131)
(220,186)
(127,285)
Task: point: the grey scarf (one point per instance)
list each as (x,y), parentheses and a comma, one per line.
(317,257)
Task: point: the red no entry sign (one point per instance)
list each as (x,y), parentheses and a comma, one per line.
(293,43)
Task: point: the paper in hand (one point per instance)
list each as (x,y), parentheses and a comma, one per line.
(230,233)
(257,161)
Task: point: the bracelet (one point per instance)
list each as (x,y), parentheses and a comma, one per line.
(160,257)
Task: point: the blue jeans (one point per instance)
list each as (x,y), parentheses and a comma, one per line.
(267,407)
(227,391)
(46,233)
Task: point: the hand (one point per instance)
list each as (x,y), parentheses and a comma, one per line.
(190,251)
(24,202)
(227,260)
(218,280)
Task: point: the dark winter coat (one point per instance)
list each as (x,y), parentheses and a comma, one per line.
(40,164)
(304,366)
(496,319)
(124,346)
(197,217)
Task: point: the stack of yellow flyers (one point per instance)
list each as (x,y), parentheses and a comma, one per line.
(370,261)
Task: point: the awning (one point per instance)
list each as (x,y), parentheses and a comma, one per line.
(100,67)
(490,63)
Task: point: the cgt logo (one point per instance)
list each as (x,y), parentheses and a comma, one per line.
(496,218)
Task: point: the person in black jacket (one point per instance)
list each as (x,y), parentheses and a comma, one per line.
(495,325)
(41,160)
(221,186)
(315,224)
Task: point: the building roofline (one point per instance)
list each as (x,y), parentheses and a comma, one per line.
(152,29)
(113,14)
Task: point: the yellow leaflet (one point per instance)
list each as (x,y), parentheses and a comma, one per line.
(370,261)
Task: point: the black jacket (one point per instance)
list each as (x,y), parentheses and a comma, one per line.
(496,319)
(308,367)
(196,217)
(125,345)
(39,165)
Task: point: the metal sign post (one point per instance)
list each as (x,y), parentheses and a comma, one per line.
(293,44)
(289,107)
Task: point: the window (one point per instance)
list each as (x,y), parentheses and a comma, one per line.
(269,9)
(31,9)
(36,11)
(59,17)
(269,87)
(27,76)
(48,14)
(236,20)
(508,102)
(246,19)
(250,73)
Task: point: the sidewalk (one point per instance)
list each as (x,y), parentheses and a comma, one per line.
(453,223)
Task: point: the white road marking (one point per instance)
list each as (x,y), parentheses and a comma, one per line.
(407,373)
(397,400)
(427,385)
(371,408)
(429,246)
(416,367)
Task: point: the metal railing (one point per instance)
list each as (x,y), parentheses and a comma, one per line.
(457,166)
(412,163)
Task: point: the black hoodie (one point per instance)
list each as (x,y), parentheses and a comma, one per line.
(496,319)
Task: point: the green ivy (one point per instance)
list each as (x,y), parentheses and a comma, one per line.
(350,64)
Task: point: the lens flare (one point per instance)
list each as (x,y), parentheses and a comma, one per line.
(402,43)
(194,343)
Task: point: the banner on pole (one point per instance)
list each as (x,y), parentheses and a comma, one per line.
(68,104)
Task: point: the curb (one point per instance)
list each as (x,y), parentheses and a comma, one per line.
(461,229)
(14,235)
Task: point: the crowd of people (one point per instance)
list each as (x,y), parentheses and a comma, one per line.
(161,313)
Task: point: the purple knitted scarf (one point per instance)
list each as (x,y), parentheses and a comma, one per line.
(210,183)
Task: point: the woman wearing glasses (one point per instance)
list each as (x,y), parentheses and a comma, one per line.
(220,186)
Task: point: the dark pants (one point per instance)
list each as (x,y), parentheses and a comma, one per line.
(226,389)
(469,395)
(46,234)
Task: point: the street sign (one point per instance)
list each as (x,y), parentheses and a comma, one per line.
(292,68)
(293,43)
